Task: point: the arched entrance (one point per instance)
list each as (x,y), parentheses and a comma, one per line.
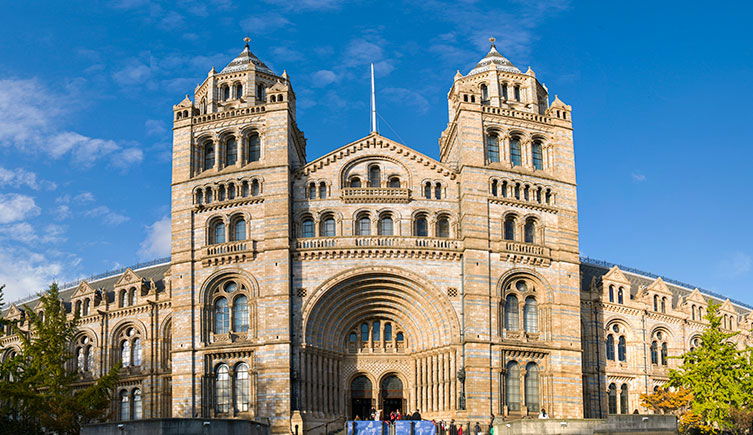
(391,394)
(360,397)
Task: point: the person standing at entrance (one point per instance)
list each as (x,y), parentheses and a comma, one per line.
(398,415)
(416,415)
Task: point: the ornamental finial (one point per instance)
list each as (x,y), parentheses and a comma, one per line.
(247,40)
(492,40)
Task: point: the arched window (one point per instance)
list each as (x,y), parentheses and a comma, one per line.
(225,92)
(504,91)
(692,312)
(363,225)
(240,314)
(355,182)
(532,387)
(238,90)
(80,359)
(209,195)
(388,332)
(530,315)
(307,227)
(231,151)
(484,94)
(254,147)
(136,360)
(86,307)
(612,399)
(89,359)
(394,182)
(375,176)
(375,331)
(509,230)
(654,352)
(125,353)
(260,93)
(364,332)
(516,90)
(492,147)
(239,229)
(512,386)
(255,188)
(399,337)
(656,303)
(125,406)
(322,190)
(312,191)
(242,388)
(137,411)
(515,154)
(495,185)
(529,231)
(664,353)
(385,225)
(511,313)
(222,389)
(221,317)
(537,155)
(421,227)
(77,311)
(443,227)
(664,305)
(217,234)
(611,293)
(438,191)
(208,155)
(427,190)
(624,409)
(620,298)
(622,348)
(131,297)
(327,227)
(610,347)
(221,193)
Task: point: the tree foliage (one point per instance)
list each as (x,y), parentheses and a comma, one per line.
(666,401)
(39,389)
(717,374)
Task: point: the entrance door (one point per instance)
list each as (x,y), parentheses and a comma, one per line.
(360,398)
(392,395)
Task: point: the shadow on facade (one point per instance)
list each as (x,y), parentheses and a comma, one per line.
(182,426)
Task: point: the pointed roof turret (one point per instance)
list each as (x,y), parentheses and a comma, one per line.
(494,60)
(244,60)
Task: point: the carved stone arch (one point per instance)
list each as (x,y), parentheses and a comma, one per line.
(363,210)
(88,332)
(396,215)
(123,324)
(421,211)
(544,296)
(226,273)
(625,328)
(422,311)
(398,374)
(663,328)
(217,280)
(337,214)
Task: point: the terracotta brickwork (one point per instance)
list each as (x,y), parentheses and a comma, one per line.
(376,276)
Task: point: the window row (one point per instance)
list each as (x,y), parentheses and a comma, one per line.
(620,294)
(506,91)
(130,405)
(82,308)
(225,152)
(660,304)
(528,379)
(221,230)
(227,192)
(522,191)
(624,396)
(127,297)
(659,348)
(433,190)
(526,230)
(232,388)
(382,224)
(230,308)
(621,348)
(515,150)
(372,332)
(374,179)
(231,91)
(513,311)
(317,190)
(130,348)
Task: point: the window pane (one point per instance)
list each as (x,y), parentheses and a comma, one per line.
(231,152)
(355,182)
(222,390)
(218,233)
(492,148)
(385,226)
(400,337)
(438,191)
(375,176)
(612,399)
(137,352)
(89,358)
(512,386)
(610,347)
(530,315)
(125,353)
(422,227)
(308,228)
(364,332)
(427,191)
(137,412)
(515,155)
(221,320)
(624,408)
(443,227)
(532,387)
(537,156)
(322,190)
(530,231)
(125,406)
(622,349)
(388,332)
(510,228)
(364,226)
(239,230)
(240,314)
(328,227)
(242,388)
(208,155)
(511,313)
(375,331)
(254,148)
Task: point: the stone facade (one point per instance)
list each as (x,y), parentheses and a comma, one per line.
(376,276)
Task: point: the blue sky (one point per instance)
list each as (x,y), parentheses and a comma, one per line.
(661,96)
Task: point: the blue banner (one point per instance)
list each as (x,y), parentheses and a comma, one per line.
(366,428)
(402,427)
(424,428)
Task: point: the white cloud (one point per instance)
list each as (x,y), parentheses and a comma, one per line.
(407,97)
(128,157)
(323,77)
(25,272)
(15,207)
(638,177)
(132,74)
(108,216)
(26,233)
(155,127)
(307,4)
(158,239)
(266,22)
(20,177)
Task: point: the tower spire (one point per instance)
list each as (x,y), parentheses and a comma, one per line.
(373,103)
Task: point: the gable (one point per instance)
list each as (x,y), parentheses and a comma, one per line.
(83,289)
(659,286)
(616,275)
(128,277)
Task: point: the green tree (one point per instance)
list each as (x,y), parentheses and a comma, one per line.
(38,388)
(719,376)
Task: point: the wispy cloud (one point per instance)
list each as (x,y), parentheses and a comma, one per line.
(638,177)
(107,216)
(157,240)
(15,207)
(20,177)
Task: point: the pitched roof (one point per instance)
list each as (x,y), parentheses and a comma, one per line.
(494,60)
(243,62)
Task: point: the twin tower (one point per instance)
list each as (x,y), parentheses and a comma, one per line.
(374,276)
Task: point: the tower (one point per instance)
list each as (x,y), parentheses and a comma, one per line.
(513,151)
(235,145)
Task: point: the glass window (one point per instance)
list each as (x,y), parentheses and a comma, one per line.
(422,227)
(242,388)
(530,231)
(654,352)
(664,354)
(394,182)
(399,337)
(226,92)
(438,191)
(208,155)
(353,337)
(89,355)
(388,332)
(492,148)
(307,228)
(231,151)
(238,90)
(620,298)
(511,313)
(611,293)
(656,303)
(532,387)
(137,411)
(255,188)
(375,176)
(510,228)
(531,315)
(504,91)
(517,93)
(484,94)
(125,406)
(327,227)
(239,229)
(610,347)
(355,182)
(254,148)
(427,190)
(312,191)
(221,317)
(443,227)
(612,399)
(624,409)
(80,358)
(363,227)
(136,352)
(240,314)
(537,155)
(125,353)
(512,386)
(222,390)
(364,332)
(385,226)
(218,233)
(622,349)
(515,154)
(375,331)
(322,190)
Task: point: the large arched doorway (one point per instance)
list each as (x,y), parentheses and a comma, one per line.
(391,394)
(360,397)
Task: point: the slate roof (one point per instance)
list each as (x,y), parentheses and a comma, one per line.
(244,60)
(494,60)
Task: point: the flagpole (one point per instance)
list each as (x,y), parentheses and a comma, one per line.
(373,103)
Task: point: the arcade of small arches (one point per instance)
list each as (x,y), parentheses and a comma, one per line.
(227,150)
(517,149)
(216,193)
(230,228)
(522,191)
(382,223)
(378,333)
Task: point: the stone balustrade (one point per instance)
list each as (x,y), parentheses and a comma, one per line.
(376,194)
(526,253)
(378,242)
(230,252)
